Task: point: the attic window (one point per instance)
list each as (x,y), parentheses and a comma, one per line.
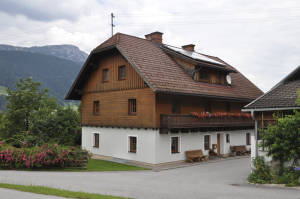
(122,72)
(204,76)
(105,75)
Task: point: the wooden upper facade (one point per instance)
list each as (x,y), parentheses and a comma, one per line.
(115,92)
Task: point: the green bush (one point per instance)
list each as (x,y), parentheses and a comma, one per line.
(289,177)
(262,173)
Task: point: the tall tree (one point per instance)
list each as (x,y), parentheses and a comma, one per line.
(22,102)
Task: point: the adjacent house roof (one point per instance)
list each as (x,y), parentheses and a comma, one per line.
(163,75)
(281,97)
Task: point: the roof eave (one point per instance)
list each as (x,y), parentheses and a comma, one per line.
(205,95)
(270,109)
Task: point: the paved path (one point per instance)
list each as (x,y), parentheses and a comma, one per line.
(225,179)
(13,194)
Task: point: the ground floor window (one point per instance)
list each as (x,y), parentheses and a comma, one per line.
(206,142)
(175,145)
(96,140)
(132,144)
(248,139)
(227,138)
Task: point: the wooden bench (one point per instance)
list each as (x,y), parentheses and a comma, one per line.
(195,155)
(239,150)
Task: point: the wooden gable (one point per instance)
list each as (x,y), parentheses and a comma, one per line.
(111,63)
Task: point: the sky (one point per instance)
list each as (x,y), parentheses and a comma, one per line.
(260,38)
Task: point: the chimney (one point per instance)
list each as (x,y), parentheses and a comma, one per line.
(155,36)
(189,47)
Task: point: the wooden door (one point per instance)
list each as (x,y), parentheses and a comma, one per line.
(218,144)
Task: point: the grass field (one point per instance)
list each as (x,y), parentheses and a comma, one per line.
(56,192)
(94,165)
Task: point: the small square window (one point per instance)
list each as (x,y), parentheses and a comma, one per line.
(122,73)
(131,106)
(174,144)
(227,138)
(96,107)
(96,140)
(105,75)
(132,144)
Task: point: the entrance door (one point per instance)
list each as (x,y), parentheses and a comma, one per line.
(218,144)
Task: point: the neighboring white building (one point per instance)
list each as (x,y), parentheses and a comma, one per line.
(146,101)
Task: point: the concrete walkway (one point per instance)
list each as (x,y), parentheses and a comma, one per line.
(223,179)
(13,194)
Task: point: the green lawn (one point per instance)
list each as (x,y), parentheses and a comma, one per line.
(56,192)
(102,165)
(95,165)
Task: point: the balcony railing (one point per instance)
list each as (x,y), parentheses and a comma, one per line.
(180,121)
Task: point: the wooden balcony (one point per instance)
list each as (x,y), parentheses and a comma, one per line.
(185,122)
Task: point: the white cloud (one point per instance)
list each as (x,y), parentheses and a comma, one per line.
(255,36)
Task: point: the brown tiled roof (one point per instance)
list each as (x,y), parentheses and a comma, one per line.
(283,95)
(163,74)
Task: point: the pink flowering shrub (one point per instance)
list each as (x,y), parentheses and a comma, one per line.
(47,156)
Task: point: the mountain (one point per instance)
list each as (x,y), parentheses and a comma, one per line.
(55,73)
(68,52)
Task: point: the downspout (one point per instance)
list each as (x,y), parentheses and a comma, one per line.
(255,133)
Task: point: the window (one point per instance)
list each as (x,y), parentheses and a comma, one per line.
(96,106)
(96,140)
(105,75)
(132,107)
(122,72)
(219,78)
(227,138)
(174,144)
(204,76)
(132,144)
(228,107)
(176,107)
(207,107)
(206,142)
(248,139)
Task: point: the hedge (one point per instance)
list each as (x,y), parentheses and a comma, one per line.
(46,156)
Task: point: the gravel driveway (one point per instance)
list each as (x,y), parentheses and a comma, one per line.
(225,179)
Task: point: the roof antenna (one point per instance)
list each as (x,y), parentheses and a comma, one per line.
(112,16)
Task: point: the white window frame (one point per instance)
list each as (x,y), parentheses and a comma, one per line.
(179,144)
(128,144)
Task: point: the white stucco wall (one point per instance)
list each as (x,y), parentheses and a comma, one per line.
(114,143)
(153,147)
